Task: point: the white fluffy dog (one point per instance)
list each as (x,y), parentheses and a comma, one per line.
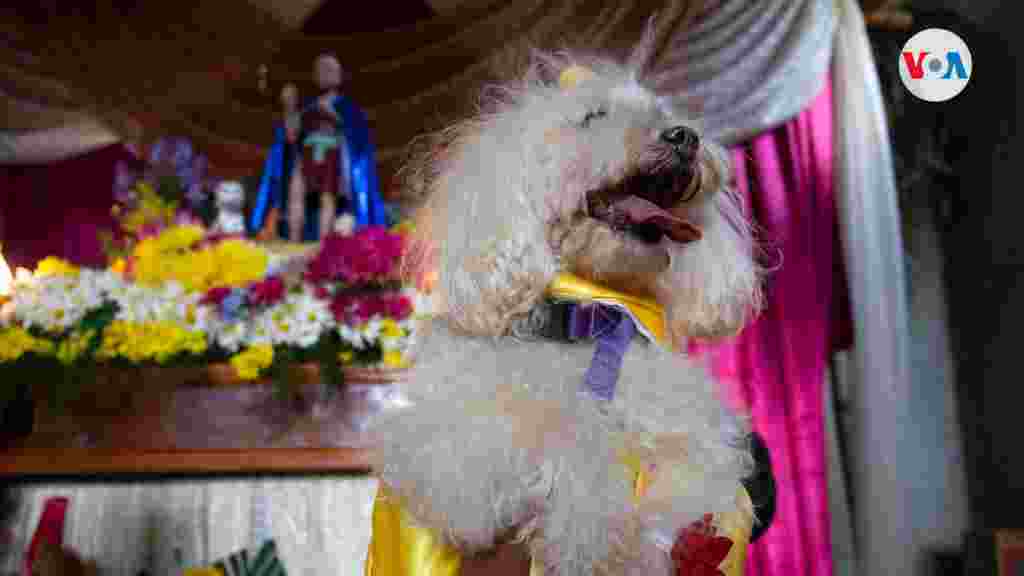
(501,440)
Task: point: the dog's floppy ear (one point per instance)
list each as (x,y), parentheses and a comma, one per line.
(485,219)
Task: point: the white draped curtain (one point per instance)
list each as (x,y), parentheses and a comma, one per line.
(320,526)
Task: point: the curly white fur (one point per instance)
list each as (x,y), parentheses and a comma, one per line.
(500,435)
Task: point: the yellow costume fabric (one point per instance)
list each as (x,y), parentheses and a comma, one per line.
(400,548)
(647,312)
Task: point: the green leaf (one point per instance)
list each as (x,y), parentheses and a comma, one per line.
(99,318)
(280,375)
(169,188)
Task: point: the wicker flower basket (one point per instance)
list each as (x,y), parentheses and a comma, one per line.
(223,374)
(195,408)
(373,375)
(99,412)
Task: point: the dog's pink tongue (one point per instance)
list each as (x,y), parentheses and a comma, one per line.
(641,211)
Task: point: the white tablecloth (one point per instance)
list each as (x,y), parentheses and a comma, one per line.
(321,525)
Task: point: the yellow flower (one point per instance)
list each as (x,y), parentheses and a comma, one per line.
(51,266)
(239,263)
(150,209)
(145,190)
(16,342)
(191,315)
(251,362)
(346,356)
(72,349)
(196,271)
(165,257)
(149,341)
(203,572)
(390,329)
(169,257)
(404,227)
(394,359)
(179,238)
(119,266)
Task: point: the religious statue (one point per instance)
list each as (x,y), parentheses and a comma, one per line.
(290,106)
(261,79)
(265,218)
(322,165)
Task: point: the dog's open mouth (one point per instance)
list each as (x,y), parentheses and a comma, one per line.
(639,204)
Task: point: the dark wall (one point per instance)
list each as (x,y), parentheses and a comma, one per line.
(341,17)
(982,233)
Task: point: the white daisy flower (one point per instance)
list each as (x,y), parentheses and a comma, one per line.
(231,336)
(309,318)
(55,303)
(190,313)
(371,330)
(137,303)
(352,337)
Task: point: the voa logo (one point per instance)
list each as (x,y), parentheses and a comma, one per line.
(935,65)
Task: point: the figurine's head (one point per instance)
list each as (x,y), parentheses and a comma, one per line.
(290,97)
(229,195)
(327,73)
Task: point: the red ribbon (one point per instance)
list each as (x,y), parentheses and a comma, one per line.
(698,551)
(50,529)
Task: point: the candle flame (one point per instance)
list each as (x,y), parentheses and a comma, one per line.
(6,280)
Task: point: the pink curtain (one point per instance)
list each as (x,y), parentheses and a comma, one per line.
(775,368)
(58,209)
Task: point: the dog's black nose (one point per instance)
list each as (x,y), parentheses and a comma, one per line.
(683,138)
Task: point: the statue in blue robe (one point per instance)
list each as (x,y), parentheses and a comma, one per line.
(350,180)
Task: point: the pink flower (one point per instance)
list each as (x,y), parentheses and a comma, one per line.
(371,254)
(399,307)
(150,229)
(348,310)
(356,309)
(216,296)
(267,292)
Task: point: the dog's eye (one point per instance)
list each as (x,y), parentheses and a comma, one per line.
(591,116)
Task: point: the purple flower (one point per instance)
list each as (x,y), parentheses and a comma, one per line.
(124,183)
(231,306)
(216,296)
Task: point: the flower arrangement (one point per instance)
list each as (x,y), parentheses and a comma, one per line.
(360,276)
(172,190)
(143,214)
(184,296)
